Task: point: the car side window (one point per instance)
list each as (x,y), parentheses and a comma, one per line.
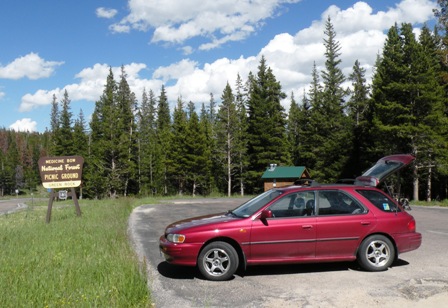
(334,202)
(379,200)
(294,205)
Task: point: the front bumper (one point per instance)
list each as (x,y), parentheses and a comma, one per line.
(180,254)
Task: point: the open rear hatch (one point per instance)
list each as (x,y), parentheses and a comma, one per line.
(385,167)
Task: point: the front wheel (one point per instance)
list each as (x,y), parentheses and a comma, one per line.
(218,261)
(376,253)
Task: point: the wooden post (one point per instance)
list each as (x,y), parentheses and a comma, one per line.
(72,194)
(75,200)
(50,205)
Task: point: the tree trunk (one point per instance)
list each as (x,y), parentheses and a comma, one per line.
(428,185)
(415,184)
(229,174)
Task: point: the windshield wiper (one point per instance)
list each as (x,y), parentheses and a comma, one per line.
(232,213)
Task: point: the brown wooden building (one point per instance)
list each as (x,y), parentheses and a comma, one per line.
(279,176)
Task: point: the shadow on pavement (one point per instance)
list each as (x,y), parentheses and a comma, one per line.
(185,272)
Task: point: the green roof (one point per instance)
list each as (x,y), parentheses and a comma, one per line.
(283,172)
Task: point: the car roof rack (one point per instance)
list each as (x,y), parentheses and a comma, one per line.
(306,182)
(346,181)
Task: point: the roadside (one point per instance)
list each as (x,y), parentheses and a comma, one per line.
(13,205)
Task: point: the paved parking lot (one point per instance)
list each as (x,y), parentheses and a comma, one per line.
(418,279)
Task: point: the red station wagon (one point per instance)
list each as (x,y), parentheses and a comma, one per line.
(299,224)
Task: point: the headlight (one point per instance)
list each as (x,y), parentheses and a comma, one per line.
(176,238)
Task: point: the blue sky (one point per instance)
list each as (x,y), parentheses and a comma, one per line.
(193,47)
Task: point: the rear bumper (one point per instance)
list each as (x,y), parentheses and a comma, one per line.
(407,241)
(180,254)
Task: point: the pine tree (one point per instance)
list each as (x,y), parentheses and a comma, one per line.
(294,133)
(332,135)
(100,169)
(126,136)
(80,141)
(211,178)
(210,127)
(163,138)
(227,126)
(267,142)
(54,125)
(80,137)
(357,108)
(64,134)
(197,155)
(240,142)
(148,146)
(177,156)
(312,118)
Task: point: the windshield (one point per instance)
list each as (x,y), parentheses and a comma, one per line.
(253,205)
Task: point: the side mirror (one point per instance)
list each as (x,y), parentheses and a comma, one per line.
(266,214)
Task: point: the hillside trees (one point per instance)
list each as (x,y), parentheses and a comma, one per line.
(19,153)
(408,99)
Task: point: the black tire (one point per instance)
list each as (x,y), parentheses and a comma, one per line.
(218,261)
(376,253)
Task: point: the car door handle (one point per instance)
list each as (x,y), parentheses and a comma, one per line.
(365,223)
(307,227)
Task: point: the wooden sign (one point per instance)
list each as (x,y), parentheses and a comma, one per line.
(61,172)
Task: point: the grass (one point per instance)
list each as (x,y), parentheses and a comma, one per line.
(443,203)
(73,261)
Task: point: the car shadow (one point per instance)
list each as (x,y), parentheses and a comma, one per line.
(185,272)
(177,272)
(302,268)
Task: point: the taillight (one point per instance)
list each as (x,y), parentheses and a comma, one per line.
(411,226)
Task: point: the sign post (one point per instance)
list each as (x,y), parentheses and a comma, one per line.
(61,172)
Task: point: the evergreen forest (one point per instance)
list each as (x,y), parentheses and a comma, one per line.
(140,146)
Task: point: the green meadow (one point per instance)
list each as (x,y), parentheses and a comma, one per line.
(73,261)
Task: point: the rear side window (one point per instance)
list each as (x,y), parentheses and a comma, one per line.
(334,202)
(379,200)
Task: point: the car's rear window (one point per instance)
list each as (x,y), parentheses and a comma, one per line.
(380,200)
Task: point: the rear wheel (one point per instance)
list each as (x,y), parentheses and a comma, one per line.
(376,253)
(218,261)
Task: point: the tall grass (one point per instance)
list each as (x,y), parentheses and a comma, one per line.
(73,261)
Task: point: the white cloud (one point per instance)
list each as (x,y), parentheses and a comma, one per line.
(120,28)
(103,12)
(360,32)
(24,125)
(90,87)
(31,66)
(2,94)
(176,70)
(176,21)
